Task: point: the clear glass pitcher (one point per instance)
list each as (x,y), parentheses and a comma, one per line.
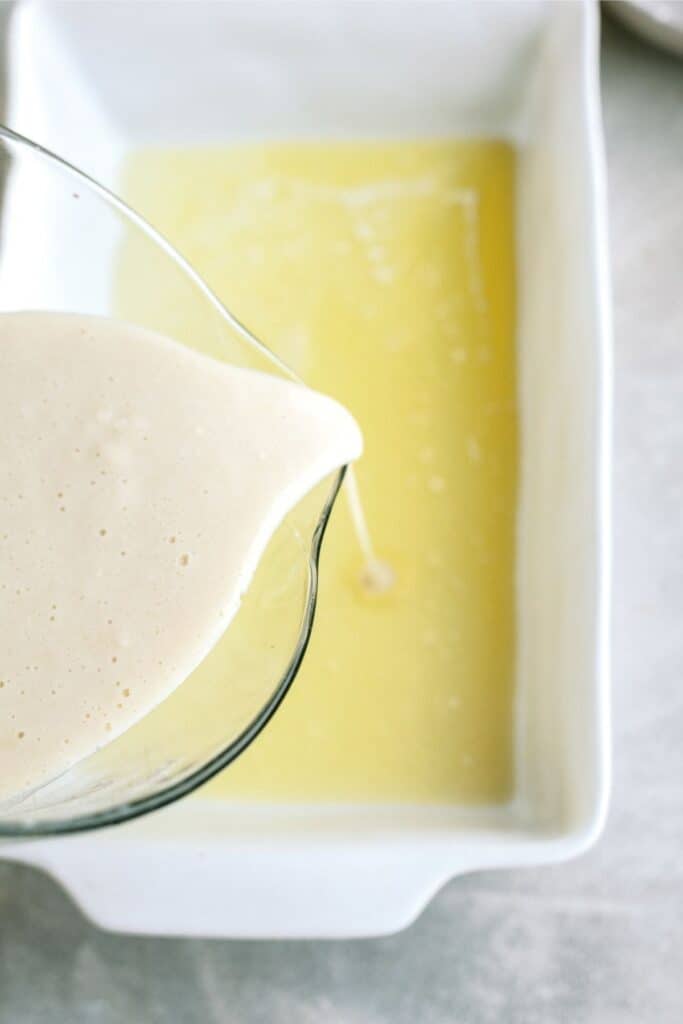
(64,240)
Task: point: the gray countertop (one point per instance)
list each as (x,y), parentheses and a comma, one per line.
(598,941)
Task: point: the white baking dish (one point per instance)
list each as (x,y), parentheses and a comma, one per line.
(92,80)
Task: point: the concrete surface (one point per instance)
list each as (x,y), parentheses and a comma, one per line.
(599,941)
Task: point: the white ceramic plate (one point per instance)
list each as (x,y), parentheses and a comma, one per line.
(92,80)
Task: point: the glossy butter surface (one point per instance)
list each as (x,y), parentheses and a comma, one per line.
(384,274)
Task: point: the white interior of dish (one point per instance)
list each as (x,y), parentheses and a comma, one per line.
(215,72)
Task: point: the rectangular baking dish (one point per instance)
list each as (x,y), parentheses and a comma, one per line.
(90,81)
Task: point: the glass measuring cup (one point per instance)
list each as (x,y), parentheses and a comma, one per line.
(63,244)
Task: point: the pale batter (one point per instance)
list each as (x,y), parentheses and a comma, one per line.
(139,484)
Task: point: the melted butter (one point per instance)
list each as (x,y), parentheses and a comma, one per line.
(384,274)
